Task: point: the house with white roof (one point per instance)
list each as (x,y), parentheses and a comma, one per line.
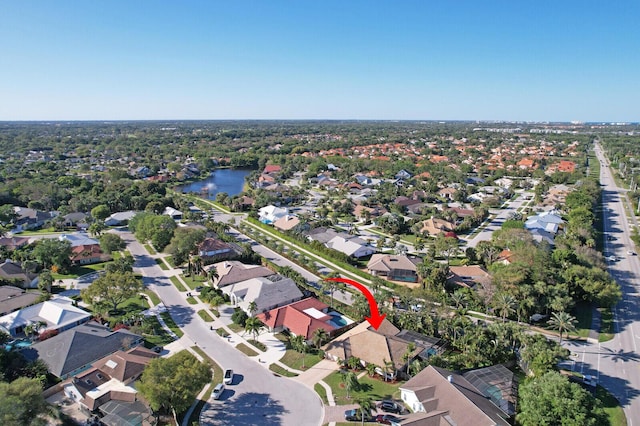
(546,221)
(57,314)
(173,213)
(267,293)
(353,247)
(119,218)
(271,213)
(79,239)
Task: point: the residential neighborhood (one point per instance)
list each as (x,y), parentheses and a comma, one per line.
(479,253)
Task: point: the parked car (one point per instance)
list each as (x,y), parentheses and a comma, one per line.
(589,380)
(157,349)
(612,258)
(228,377)
(631,252)
(199,288)
(354,416)
(387,419)
(390,406)
(218,391)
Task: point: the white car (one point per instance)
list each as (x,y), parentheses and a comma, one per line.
(218,391)
(228,377)
(631,252)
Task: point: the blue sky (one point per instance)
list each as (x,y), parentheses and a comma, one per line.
(269,59)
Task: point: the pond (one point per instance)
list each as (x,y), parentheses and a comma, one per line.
(230,181)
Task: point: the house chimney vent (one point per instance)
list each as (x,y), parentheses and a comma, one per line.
(450,378)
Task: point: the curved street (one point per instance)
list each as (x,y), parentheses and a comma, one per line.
(257,396)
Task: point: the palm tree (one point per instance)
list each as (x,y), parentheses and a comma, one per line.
(350,382)
(253,307)
(406,357)
(505,304)
(371,369)
(459,298)
(387,369)
(299,345)
(562,321)
(213,274)
(319,337)
(366,405)
(253,325)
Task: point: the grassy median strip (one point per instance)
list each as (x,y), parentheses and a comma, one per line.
(606,325)
(246,350)
(322,392)
(191,301)
(204,315)
(150,249)
(153,296)
(171,324)
(282,371)
(176,282)
(162,265)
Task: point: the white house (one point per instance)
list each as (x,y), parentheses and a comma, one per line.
(173,213)
(57,314)
(267,293)
(354,247)
(271,213)
(547,221)
(119,218)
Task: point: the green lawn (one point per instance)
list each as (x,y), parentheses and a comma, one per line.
(611,407)
(159,336)
(322,393)
(150,249)
(606,325)
(162,265)
(153,296)
(176,282)
(78,271)
(246,350)
(204,315)
(171,324)
(236,328)
(375,388)
(293,359)
(193,281)
(191,300)
(282,372)
(222,332)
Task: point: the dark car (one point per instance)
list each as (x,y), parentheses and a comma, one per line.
(389,406)
(354,416)
(387,419)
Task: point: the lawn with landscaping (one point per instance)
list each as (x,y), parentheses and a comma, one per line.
(372,387)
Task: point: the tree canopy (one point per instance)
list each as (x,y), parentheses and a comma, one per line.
(112,289)
(173,383)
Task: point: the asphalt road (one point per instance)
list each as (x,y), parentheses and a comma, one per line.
(496,223)
(616,363)
(256,395)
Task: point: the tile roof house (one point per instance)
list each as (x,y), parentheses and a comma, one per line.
(87,254)
(58,314)
(393,267)
(448,193)
(439,397)
(14,298)
(213,247)
(435,226)
(267,293)
(13,242)
(109,379)
(232,271)
(301,318)
(378,347)
(13,271)
(75,350)
(287,222)
(469,276)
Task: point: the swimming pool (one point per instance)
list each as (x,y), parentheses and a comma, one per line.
(17,344)
(338,320)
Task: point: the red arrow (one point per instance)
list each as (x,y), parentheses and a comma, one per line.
(376,319)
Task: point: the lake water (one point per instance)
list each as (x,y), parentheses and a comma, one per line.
(230,181)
